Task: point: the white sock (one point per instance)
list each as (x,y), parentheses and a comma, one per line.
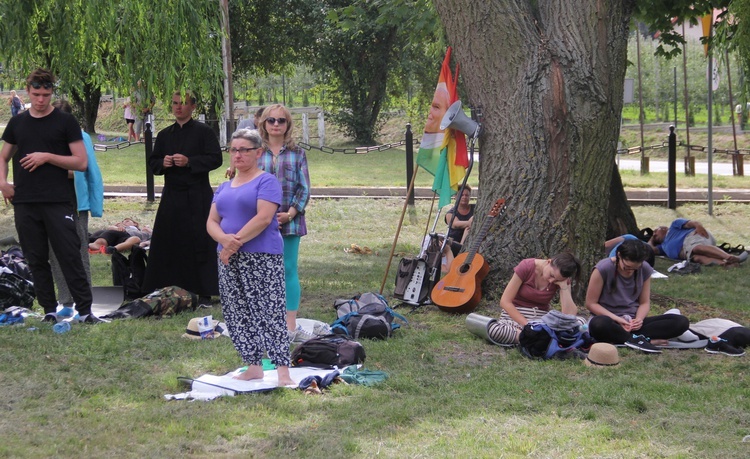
(688,336)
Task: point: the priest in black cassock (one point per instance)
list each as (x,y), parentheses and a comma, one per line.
(182,253)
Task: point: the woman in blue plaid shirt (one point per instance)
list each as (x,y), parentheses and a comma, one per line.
(288,163)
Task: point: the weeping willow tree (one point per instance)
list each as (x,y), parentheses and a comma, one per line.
(92,44)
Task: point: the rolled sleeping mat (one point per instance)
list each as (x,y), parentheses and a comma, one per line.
(479,325)
(490,330)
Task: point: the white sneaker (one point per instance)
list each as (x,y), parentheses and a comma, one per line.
(301,335)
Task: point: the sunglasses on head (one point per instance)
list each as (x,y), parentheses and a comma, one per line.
(274,120)
(45,85)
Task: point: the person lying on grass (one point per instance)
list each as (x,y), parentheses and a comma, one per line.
(690,240)
(119,237)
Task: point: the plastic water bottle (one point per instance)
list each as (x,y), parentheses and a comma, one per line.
(61,327)
(627,317)
(584,328)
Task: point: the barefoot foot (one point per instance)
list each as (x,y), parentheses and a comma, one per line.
(254,372)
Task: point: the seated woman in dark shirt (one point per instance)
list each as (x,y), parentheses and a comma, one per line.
(462,223)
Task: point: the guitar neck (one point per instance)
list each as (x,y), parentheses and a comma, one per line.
(480,237)
(497,209)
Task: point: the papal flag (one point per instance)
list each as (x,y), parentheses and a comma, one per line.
(443,153)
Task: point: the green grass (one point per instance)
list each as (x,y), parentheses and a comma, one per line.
(98,391)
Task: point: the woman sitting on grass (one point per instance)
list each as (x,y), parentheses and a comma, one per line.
(619,296)
(528,294)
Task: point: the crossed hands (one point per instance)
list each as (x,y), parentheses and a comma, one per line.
(230,245)
(177,159)
(630,325)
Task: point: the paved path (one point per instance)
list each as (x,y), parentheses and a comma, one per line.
(661,166)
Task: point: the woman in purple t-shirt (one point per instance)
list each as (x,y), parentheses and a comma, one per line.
(528,295)
(251,260)
(619,297)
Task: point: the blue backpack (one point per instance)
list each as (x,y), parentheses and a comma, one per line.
(374,320)
(539,341)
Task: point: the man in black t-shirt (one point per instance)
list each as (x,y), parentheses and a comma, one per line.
(49,144)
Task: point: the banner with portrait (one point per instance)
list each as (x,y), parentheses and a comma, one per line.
(443,153)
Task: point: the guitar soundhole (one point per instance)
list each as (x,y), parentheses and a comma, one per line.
(464,268)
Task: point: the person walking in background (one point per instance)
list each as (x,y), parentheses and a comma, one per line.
(619,297)
(130,120)
(16,104)
(49,144)
(250,260)
(142,106)
(182,253)
(89,188)
(288,162)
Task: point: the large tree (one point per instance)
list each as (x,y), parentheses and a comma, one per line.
(548,78)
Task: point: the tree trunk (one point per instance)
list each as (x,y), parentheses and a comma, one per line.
(548,79)
(86,106)
(621,219)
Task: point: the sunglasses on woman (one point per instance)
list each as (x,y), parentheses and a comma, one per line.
(274,120)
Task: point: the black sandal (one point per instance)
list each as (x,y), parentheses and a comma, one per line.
(726,247)
(738,249)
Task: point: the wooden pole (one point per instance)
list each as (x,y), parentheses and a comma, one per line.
(641,116)
(688,162)
(398,230)
(735,157)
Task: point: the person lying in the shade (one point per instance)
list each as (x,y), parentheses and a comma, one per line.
(119,237)
(690,240)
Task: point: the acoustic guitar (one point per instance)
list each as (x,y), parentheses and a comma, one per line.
(460,290)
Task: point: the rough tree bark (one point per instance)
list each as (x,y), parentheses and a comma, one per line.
(621,219)
(86,105)
(548,78)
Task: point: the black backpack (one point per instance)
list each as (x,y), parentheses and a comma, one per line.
(15,291)
(14,260)
(374,320)
(327,352)
(130,272)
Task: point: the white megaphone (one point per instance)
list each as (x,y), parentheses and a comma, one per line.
(455,118)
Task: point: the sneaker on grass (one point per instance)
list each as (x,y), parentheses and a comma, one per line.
(92,319)
(51,317)
(721,346)
(642,343)
(66,311)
